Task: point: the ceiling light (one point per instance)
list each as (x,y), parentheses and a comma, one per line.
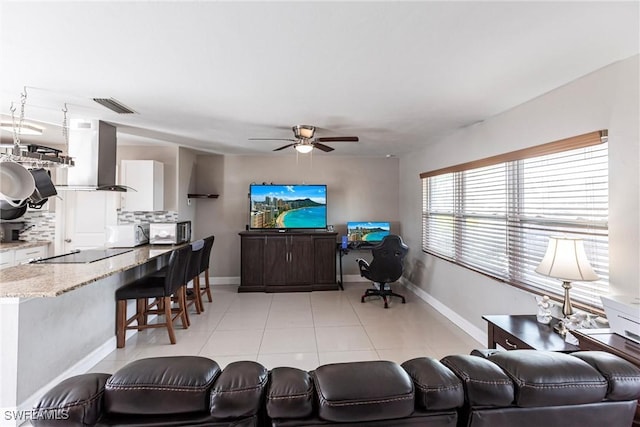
(304,148)
(25,129)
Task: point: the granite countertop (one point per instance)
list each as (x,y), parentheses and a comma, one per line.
(8,246)
(50,280)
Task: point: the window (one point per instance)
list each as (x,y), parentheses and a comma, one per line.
(495,215)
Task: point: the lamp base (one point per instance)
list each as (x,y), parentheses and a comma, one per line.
(567,309)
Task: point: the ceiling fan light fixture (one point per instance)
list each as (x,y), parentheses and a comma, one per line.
(304,131)
(303,148)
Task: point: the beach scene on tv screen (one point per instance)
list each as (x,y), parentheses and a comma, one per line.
(367,231)
(288,206)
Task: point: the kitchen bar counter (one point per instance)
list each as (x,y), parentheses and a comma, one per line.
(10,246)
(45,340)
(51,280)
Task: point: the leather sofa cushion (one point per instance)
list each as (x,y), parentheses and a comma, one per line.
(74,401)
(623,377)
(290,393)
(363,391)
(239,390)
(161,385)
(436,386)
(486,383)
(550,378)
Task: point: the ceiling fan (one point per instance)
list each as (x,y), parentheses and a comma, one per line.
(304,141)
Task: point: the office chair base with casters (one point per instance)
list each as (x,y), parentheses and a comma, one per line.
(383,292)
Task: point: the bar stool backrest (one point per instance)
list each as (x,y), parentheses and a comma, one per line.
(177,270)
(206,253)
(197,248)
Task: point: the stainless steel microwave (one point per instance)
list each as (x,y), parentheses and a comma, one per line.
(169,233)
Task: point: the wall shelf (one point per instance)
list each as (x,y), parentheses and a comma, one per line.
(202,196)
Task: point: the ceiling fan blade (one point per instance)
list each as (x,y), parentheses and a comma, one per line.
(338,139)
(283,147)
(272,139)
(322,147)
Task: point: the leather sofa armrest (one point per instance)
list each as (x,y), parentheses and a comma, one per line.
(290,393)
(76,401)
(239,390)
(485,352)
(486,384)
(623,377)
(437,388)
(546,378)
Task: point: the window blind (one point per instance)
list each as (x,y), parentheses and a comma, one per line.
(496,219)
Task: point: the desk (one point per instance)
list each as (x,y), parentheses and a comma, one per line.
(343,251)
(524,332)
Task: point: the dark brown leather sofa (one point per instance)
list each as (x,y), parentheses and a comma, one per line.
(518,388)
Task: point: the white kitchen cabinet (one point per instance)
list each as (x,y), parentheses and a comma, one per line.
(24,255)
(147,178)
(12,257)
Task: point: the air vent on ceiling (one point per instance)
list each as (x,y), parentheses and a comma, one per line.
(114,105)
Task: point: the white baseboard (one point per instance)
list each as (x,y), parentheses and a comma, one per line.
(351,278)
(235,280)
(475,332)
(232,280)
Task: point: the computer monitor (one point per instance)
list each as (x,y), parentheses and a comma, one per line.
(367,231)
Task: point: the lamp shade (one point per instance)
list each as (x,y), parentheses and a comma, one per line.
(304,148)
(566,259)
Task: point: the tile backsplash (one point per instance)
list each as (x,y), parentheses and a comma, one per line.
(38,226)
(126,217)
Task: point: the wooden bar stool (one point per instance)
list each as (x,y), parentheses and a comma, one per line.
(161,288)
(204,268)
(193,270)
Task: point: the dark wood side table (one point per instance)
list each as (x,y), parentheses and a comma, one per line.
(524,332)
(605,340)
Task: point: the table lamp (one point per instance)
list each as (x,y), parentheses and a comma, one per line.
(566,260)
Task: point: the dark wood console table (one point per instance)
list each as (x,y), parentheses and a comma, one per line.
(273,261)
(524,332)
(605,340)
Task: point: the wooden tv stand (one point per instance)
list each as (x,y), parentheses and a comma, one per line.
(292,261)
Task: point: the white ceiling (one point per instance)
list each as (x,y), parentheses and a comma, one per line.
(210,75)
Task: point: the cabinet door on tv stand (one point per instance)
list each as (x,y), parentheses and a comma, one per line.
(325,261)
(275,261)
(301,260)
(252,263)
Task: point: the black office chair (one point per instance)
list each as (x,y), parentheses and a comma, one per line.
(385,268)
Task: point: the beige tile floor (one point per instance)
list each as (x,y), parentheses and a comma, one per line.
(303,330)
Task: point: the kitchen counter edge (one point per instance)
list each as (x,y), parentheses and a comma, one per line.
(51,280)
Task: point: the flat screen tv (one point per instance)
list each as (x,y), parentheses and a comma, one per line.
(288,206)
(367,231)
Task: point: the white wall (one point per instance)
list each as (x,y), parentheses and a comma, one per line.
(605,99)
(358,188)
(186,183)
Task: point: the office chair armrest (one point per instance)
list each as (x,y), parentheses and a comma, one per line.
(363,266)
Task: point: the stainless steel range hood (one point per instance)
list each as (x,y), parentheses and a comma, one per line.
(92,144)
